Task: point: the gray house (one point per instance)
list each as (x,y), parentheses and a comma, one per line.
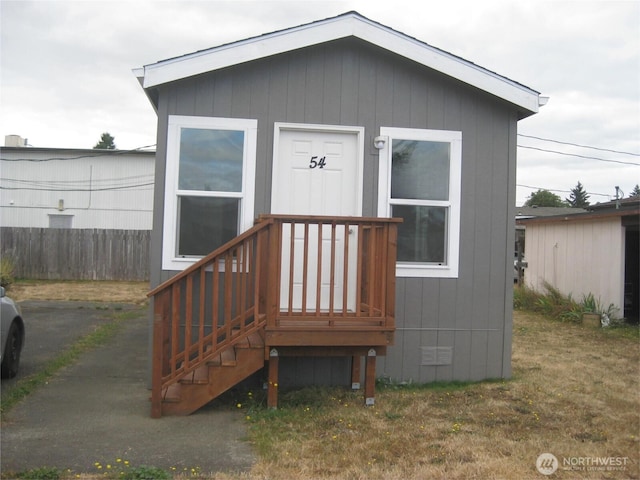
(285,164)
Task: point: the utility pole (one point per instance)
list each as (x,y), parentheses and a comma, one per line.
(618,196)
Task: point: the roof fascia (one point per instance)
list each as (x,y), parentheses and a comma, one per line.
(334,29)
(96,152)
(579,217)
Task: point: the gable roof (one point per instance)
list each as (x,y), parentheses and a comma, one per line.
(350,24)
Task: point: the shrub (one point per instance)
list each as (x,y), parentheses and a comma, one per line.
(7,271)
(554,304)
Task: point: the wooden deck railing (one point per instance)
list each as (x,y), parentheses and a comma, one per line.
(335,270)
(285,272)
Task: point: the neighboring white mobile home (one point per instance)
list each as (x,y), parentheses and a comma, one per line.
(595,252)
(76,188)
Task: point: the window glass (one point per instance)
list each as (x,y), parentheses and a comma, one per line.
(60,221)
(211,160)
(422,234)
(420,170)
(205,223)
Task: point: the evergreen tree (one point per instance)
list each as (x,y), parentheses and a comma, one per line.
(578,197)
(635,192)
(106,142)
(544,198)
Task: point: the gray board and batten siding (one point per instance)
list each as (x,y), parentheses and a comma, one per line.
(447,328)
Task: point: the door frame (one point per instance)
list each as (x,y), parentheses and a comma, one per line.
(309,127)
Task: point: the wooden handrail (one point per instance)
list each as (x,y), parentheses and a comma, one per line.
(285,270)
(262,223)
(208,307)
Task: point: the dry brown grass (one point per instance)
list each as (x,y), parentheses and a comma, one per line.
(574,393)
(98,291)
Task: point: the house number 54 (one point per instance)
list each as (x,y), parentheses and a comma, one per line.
(316,162)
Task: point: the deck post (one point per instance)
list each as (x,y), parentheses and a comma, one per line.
(156,382)
(370,378)
(272,386)
(355,372)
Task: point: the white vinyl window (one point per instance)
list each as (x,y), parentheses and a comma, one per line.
(60,221)
(419,181)
(209,187)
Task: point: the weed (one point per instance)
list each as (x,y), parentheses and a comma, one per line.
(392,415)
(143,472)
(7,271)
(590,304)
(555,305)
(42,473)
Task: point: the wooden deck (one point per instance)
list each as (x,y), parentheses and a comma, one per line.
(303,285)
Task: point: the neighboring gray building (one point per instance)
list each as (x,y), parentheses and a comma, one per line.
(417,132)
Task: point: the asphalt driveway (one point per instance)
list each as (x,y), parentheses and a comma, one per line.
(97,411)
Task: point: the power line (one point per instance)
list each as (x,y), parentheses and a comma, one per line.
(97,182)
(105,179)
(580,156)
(560,191)
(103,189)
(579,145)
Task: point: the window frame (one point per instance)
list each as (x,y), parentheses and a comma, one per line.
(453,204)
(60,221)
(170,234)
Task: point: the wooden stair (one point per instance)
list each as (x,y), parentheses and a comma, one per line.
(215,376)
(222,318)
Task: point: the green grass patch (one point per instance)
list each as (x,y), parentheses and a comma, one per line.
(384,384)
(555,306)
(119,469)
(42,473)
(98,337)
(625,330)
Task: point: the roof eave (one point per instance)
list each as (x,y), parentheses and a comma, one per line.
(577,217)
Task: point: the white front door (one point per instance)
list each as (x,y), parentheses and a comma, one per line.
(317,170)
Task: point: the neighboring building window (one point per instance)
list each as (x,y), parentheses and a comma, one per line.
(419,181)
(60,221)
(209,188)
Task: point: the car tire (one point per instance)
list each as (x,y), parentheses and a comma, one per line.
(13,348)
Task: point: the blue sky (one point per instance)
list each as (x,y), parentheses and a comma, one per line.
(66,69)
